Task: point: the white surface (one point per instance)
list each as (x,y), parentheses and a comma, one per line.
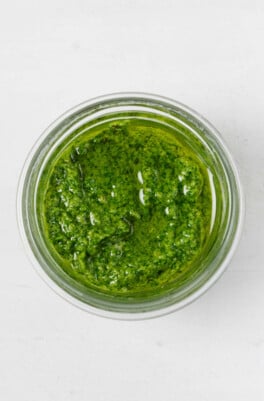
(207,54)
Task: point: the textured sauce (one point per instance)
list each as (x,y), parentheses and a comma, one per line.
(127,209)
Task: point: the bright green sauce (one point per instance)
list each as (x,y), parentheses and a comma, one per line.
(127,209)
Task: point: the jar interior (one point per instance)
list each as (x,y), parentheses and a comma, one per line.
(190,132)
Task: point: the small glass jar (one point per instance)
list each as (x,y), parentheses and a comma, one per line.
(227,201)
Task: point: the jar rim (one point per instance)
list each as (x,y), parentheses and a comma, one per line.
(167,103)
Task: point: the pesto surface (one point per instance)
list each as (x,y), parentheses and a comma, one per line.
(126,209)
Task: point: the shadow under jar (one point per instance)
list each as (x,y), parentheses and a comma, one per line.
(130,205)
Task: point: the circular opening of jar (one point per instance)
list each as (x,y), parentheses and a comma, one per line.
(130,205)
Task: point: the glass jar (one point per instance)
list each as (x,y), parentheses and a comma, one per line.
(227,201)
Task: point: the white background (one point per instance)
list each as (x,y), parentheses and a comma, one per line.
(207,54)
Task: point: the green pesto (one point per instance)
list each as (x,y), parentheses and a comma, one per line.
(127,209)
